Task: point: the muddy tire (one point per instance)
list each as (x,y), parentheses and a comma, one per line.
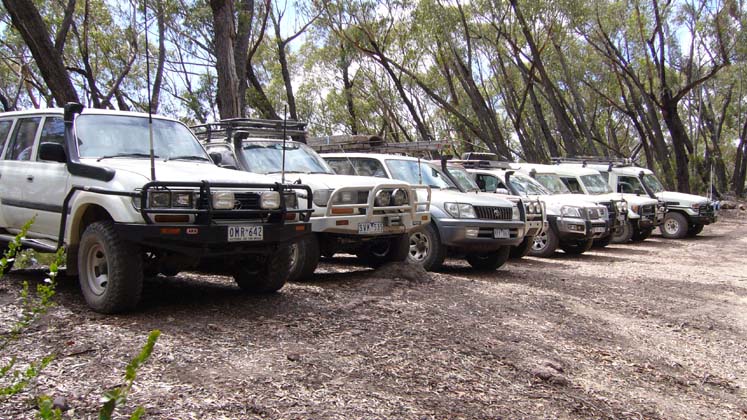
(264,274)
(382,251)
(694,230)
(110,269)
(489,261)
(577,248)
(641,234)
(544,244)
(603,242)
(675,226)
(522,250)
(305,256)
(425,248)
(624,235)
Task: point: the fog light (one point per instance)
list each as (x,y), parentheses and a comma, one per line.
(399,197)
(270,200)
(159,199)
(382,198)
(223,200)
(471,232)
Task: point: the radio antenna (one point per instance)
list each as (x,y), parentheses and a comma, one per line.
(285,124)
(150,110)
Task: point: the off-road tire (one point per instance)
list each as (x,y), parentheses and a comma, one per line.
(675,226)
(426,249)
(694,230)
(265,274)
(489,261)
(380,252)
(577,248)
(110,269)
(545,244)
(625,234)
(522,250)
(306,260)
(602,242)
(641,234)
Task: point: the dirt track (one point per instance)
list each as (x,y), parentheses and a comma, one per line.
(650,330)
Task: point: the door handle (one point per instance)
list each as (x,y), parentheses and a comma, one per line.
(29,178)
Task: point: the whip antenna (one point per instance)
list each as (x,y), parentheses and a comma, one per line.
(150,111)
(285,124)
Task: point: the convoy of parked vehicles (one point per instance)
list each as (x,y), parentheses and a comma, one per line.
(129,195)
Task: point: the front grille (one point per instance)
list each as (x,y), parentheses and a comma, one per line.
(706,210)
(247,201)
(493,213)
(243,201)
(593,214)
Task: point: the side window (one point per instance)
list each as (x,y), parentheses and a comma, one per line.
(369,167)
(341,166)
(487,182)
(53,131)
(573,185)
(4,131)
(23,139)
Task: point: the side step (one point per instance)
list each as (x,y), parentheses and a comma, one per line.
(41,245)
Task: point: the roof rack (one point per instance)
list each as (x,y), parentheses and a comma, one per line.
(482,164)
(600,160)
(225,130)
(372,144)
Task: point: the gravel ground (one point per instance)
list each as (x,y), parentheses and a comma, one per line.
(649,330)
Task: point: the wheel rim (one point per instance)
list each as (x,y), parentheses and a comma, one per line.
(540,242)
(97,269)
(419,246)
(293,256)
(622,232)
(672,226)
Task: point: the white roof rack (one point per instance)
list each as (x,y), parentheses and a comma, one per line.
(372,144)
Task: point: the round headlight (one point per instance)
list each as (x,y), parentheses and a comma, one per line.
(382,198)
(399,197)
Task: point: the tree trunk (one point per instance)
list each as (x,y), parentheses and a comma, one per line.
(347,88)
(224,30)
(679,138)
(158,81)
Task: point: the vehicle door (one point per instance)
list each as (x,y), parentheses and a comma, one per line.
(572,184)
(48,187)
(488,183)
(5,129)
(16,174)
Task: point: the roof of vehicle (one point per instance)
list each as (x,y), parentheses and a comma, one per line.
(86,111)
(562,170)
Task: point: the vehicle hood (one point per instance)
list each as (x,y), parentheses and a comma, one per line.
(439,197)
(641,200)
(570,199)
(682,199)
(333,181)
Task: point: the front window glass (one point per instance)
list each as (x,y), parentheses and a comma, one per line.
(595,184)
(526,186)
(53,131)
(464,179)
(488,182)
(629,185)
(573,185)
(416,172)
(653,183)
(112,136)
(266,157)
(553,183)
(357,166)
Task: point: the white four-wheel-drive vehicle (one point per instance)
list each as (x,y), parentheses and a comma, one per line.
(480,228)
(574,223)
(124,203)
(365,215)
(686,214)
(644,213)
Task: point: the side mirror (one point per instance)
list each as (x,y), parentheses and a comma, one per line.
(501,191)
(216,157)
(53,152)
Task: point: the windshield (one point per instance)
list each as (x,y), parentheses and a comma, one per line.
(652,183)
(266,157)
(552,183)
(526,186)
(407,170)
(464,179)
(595,184)
(101,136)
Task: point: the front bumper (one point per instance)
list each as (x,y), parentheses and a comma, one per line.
(703,219)
(534,227)
(575,229)
(480,234)
(210,240)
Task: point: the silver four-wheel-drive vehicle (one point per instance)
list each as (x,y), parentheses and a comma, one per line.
(88,180)
(644,213)
(480,228)
(364,215)
(534,212)
(574,223)
(686,214)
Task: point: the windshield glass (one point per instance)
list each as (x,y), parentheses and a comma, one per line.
(463,178)
(266,157)
(407,170)
(653,183)
(526,186)
(552,183)
(595,184)
(127,136)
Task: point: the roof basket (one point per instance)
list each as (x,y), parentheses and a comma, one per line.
(482,164)
(225,130)
(599,160)
(372,144)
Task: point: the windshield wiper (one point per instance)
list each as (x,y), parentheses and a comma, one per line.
(142,155)
(186,157)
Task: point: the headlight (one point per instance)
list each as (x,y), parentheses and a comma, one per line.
(182,199)
(460,210)
(515,213)
(291,200)
(382,198)
(270,200)
(570,211)
(622,206)
(529,207)
(695,206)
(635,208)
(399,197)
(223,200)
(159,199)
(602,212)
(321,197)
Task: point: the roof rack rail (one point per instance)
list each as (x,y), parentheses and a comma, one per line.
(482,164)
(225,130)
(585,160)
(372,144)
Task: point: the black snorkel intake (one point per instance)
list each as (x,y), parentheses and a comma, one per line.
(74,166)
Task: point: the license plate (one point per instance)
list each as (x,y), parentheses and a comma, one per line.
(372,227)
(241,233)
(501,233)
(599,229)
